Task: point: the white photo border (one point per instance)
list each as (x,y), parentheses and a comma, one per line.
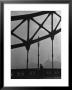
(64,8)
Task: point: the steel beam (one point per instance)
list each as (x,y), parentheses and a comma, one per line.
(27,47)
(45,37)
(57,14)
(38,53)
(19,38)
(36,40)
(28,16)
(18,25)
(27,58)
(52,37)
(18,45)
(39,26)
(57,24)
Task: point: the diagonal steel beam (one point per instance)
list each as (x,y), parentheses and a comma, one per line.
(28,16)
(36,40)
(57,24)
(18,45)
(40,26)
(57,14)
(18,25)
(19,38)
(45,37)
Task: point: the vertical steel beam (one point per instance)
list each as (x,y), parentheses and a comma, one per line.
(28,31)
(52,37)
(38,53)
(28,44)
(52,55)
(27,58)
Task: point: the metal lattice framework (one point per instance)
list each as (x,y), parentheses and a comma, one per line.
(27,43)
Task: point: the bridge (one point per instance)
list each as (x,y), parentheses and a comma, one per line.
(30,40)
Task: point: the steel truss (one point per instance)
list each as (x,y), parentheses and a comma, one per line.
(27,43)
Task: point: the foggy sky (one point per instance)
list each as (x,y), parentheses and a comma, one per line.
(19,55)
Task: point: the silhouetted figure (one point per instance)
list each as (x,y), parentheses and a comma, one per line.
(41,66)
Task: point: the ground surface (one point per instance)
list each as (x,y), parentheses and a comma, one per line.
(35,73)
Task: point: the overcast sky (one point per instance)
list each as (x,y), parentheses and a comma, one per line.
(19,55)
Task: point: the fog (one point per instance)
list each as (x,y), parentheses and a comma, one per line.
(19,55)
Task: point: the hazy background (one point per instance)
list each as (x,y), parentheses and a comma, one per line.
(19,55)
